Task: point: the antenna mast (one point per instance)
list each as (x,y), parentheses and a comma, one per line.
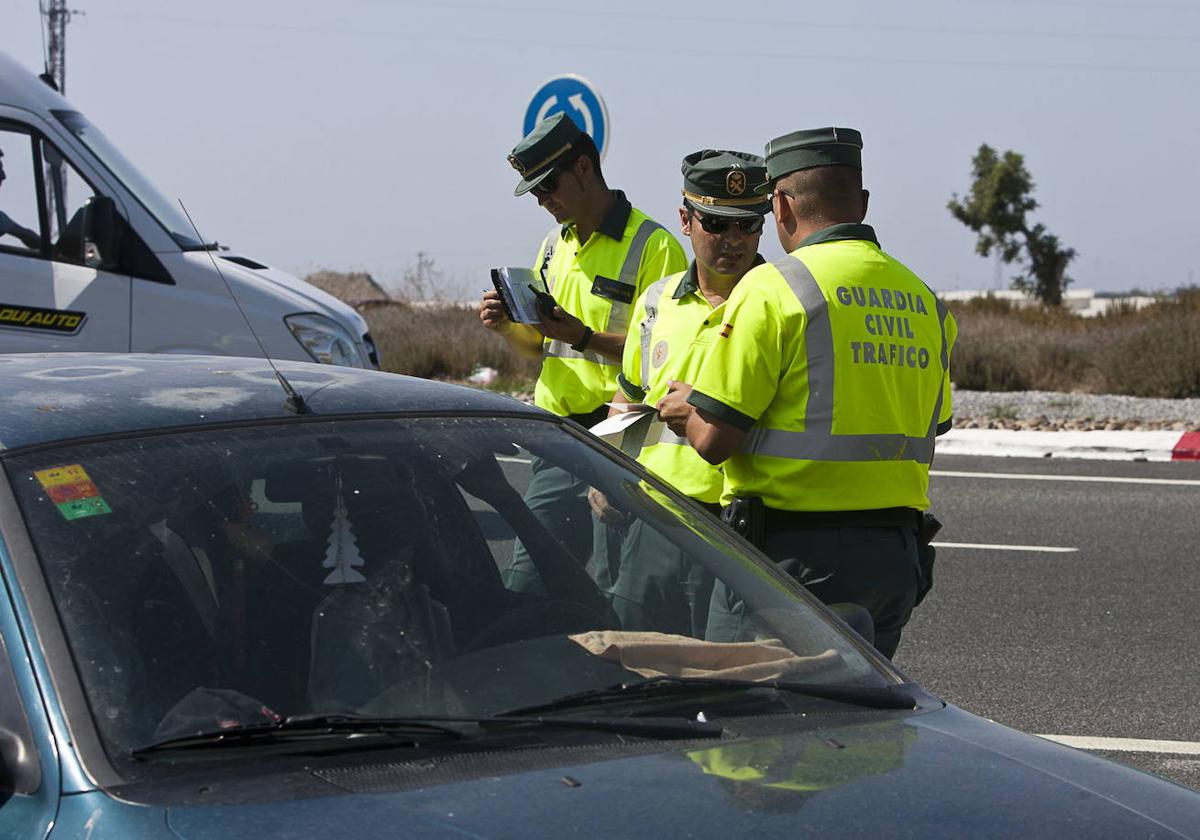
(55,17)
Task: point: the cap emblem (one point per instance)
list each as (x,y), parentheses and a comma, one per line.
(735,182)
(516,164)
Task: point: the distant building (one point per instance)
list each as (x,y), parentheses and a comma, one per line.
(357,288)
(1084,302)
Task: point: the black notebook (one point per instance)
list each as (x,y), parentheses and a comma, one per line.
(519,289)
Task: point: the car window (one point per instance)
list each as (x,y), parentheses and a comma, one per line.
(390,568)
(20,229)
(66,195)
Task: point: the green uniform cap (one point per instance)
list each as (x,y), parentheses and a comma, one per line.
(812,148)
(721,183)
(542,149)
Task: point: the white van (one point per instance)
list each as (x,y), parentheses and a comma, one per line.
(94,258)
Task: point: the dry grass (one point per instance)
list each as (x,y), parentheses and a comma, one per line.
(1154,352)
(441,342)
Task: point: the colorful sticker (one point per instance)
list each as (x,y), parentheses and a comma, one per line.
(84,507)
(72,491)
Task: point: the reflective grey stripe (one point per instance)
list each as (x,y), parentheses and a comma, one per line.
(653,297)
(815,446)
(667,436)
(818,344)
(618,316)
(817,442)
(548,246)
(937,406)
(562,350)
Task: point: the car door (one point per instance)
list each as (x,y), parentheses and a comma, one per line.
(50,299)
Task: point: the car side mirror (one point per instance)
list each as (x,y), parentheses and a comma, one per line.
(103,228)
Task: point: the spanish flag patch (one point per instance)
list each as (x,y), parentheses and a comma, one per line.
(726,330)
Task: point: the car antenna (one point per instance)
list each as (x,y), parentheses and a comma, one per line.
(294,402)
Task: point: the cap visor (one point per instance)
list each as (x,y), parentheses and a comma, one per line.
(527,184)
(739,212)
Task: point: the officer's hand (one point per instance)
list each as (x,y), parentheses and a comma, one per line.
(606,513)
(674,409)
(492,314)
(559,324)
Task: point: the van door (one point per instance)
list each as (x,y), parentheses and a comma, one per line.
(50,300)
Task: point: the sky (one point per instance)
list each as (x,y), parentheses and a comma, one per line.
(353,135)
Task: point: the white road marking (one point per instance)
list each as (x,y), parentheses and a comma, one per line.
(1052,549)
(1110,479)
(513,460)
(1143,745)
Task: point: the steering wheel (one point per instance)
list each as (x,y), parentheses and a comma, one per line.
(549,617)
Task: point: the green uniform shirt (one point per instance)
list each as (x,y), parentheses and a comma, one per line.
(835,359)
(598,281)
(673,325)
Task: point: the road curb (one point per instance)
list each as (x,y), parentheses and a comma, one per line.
(1099,445)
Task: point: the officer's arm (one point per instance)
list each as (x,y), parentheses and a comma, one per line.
(564,326)
(715,439)
(525,340)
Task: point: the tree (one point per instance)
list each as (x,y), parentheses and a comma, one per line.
(1001,198)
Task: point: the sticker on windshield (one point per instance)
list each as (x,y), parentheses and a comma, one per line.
(72,491)
(61,321)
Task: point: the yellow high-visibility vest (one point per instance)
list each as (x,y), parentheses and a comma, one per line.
(836,361)
(673,324)
(598,281)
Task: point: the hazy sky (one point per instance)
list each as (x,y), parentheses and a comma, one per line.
(353,134)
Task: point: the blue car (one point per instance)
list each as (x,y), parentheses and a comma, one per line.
(319,603)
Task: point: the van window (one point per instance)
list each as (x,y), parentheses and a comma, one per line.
(19,226)
(66,194)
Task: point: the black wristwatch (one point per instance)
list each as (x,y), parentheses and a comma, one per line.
(582,344)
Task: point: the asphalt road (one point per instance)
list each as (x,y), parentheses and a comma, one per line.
(1102,641)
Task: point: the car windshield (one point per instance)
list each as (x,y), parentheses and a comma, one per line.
(165,211)
(390,568)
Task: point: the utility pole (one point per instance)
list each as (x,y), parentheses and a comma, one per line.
(55,17)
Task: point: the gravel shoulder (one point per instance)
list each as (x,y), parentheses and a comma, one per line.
(1055,411)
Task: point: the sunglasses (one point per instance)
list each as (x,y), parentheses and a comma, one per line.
(718,225)
(547,187)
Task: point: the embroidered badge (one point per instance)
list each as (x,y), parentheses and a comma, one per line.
(659,355)
(516,164)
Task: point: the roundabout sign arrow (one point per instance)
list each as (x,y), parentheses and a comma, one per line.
(577,97)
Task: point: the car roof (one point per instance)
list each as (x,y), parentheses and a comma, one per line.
(21,88)
(59,396)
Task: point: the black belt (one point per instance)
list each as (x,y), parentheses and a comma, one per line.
(798,520)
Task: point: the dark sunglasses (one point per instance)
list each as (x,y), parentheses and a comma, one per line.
(718,225)
(547,186)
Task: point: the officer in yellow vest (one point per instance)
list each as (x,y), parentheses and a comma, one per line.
(601,254)
(823,393)
(672,325)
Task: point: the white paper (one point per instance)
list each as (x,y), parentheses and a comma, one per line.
(618,423)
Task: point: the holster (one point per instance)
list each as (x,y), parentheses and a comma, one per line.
(747,516)
(927,528)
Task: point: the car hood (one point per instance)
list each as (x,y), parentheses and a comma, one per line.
(943,774)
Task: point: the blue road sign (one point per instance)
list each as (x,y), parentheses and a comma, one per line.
(582,103)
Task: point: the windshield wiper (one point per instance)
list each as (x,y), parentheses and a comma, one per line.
(412,730)
(685,688)
(423,730)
